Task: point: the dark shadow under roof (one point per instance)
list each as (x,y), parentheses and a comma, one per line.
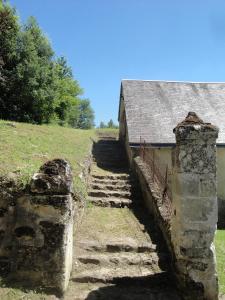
(154,108)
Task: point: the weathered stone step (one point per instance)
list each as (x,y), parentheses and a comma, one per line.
(115,161)
(109,165)
(117,182)
(111,154)
(108,274)
(122,259)
(113,177)
(110,158)
(111,187)
(109,194)
(115,153)
(108,141)
(125,245)
(110,202)
(112,144)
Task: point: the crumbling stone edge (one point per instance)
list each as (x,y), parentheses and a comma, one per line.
(37,226)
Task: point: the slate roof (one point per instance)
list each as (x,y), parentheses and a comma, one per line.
(154,108)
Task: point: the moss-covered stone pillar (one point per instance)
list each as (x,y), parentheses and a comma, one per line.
(194,188)
(43,232)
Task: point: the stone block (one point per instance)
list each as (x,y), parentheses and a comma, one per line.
(54,177)
(43,240)
(200,159)
(186,184)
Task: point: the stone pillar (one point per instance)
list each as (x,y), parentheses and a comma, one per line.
(43,232)
(194,188)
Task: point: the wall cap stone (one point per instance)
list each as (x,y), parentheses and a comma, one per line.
(54,177)
(192,126)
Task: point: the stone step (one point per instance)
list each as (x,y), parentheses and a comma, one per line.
(122,259)
(106,152)
(109,153)
(111,161)
(116,246)
(111,187)
(109,156)
(114,152)
(111,144)
(110,194)
(110,166)
(122,176)
(109,274)
(108,142)
(110,202)
(117,182)
(134,290)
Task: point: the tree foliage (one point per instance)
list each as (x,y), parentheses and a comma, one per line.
(110,124)
(35,86)
(86,116)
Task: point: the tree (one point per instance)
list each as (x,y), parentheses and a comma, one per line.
(110,124)
(30,86)
(35,78)
(86,115)
(102,125)
(9,30)
(67,93)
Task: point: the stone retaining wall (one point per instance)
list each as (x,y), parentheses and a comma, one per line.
(153,198)
(37,230)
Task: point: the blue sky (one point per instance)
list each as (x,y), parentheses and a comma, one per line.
(106,41)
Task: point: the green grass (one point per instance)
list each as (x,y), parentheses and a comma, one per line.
(113,132)
(18,294)
(220,256)
(25,147)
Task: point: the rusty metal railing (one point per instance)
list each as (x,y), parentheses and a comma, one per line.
(158,170)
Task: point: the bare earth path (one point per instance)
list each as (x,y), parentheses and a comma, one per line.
(118,251)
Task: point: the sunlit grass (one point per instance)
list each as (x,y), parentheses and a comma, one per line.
(220,256)
(25,147)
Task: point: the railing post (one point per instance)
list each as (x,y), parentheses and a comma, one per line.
(194,189)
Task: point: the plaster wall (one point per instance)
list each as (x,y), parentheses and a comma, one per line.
(163,156)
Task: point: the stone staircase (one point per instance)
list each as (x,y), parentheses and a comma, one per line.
(119,252)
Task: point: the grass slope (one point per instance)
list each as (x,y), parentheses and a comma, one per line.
(220,257)
(25,147)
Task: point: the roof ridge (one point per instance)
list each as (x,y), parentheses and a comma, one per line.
(171,81)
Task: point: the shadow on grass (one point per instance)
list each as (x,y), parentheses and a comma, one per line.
(28,288)
(157,286)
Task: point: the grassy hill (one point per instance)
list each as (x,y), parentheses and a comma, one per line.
(25,147)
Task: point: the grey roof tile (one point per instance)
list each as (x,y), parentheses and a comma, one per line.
(154,108)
